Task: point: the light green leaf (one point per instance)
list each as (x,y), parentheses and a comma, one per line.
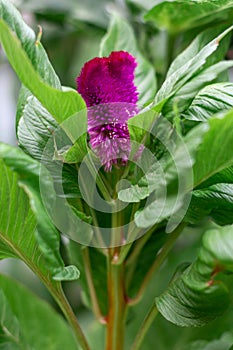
(209,101)
(198,296)
(120,36)
(32,322)
(36,53)
(141,124)
(177,16)
(61,104)
(17,170)
(186,66)
(184,96)
(40,136)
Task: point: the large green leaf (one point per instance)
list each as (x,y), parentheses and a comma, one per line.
(35,52)
(215,202)
(215,152)
(209,101)
(120,36)
(40,136)
(185,95)
(189,64)
(29,323)
(180,15)
(19,222)
(198,296)
(9,327)
(61,104)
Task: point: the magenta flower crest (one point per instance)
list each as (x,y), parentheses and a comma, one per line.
(107,86)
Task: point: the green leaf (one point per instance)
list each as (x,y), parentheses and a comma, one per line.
(210,146)
(19,170)
(146,4)
(9,326)
(198,296)
(61,104)
(187,65)
(224,343)
(215,202)
(212,99)
(36,53)
(140,125)
(215,152)
(168,181)
(177,16)
(31,322)
(120,36)
(184,96)
(39,135)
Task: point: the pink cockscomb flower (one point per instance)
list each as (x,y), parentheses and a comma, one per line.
(107,86)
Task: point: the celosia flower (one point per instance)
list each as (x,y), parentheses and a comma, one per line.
(107,86)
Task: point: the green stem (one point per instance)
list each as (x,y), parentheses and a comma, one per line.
(64,305)
(117,307)
(172,237)
(88,274)
(153,312)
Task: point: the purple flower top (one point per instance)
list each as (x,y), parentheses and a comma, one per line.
(107,86)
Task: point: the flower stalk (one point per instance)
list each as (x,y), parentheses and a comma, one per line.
(117,307)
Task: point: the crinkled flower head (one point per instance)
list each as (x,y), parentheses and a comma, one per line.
(107,86)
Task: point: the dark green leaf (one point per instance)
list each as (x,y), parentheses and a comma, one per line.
(198,296)
(215,202)
(210,100)
(215,152)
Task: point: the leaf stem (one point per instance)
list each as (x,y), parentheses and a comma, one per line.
(158,262)
(94,299)
(153,312)
(70,316)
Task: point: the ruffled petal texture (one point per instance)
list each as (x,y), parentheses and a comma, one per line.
(107,86)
